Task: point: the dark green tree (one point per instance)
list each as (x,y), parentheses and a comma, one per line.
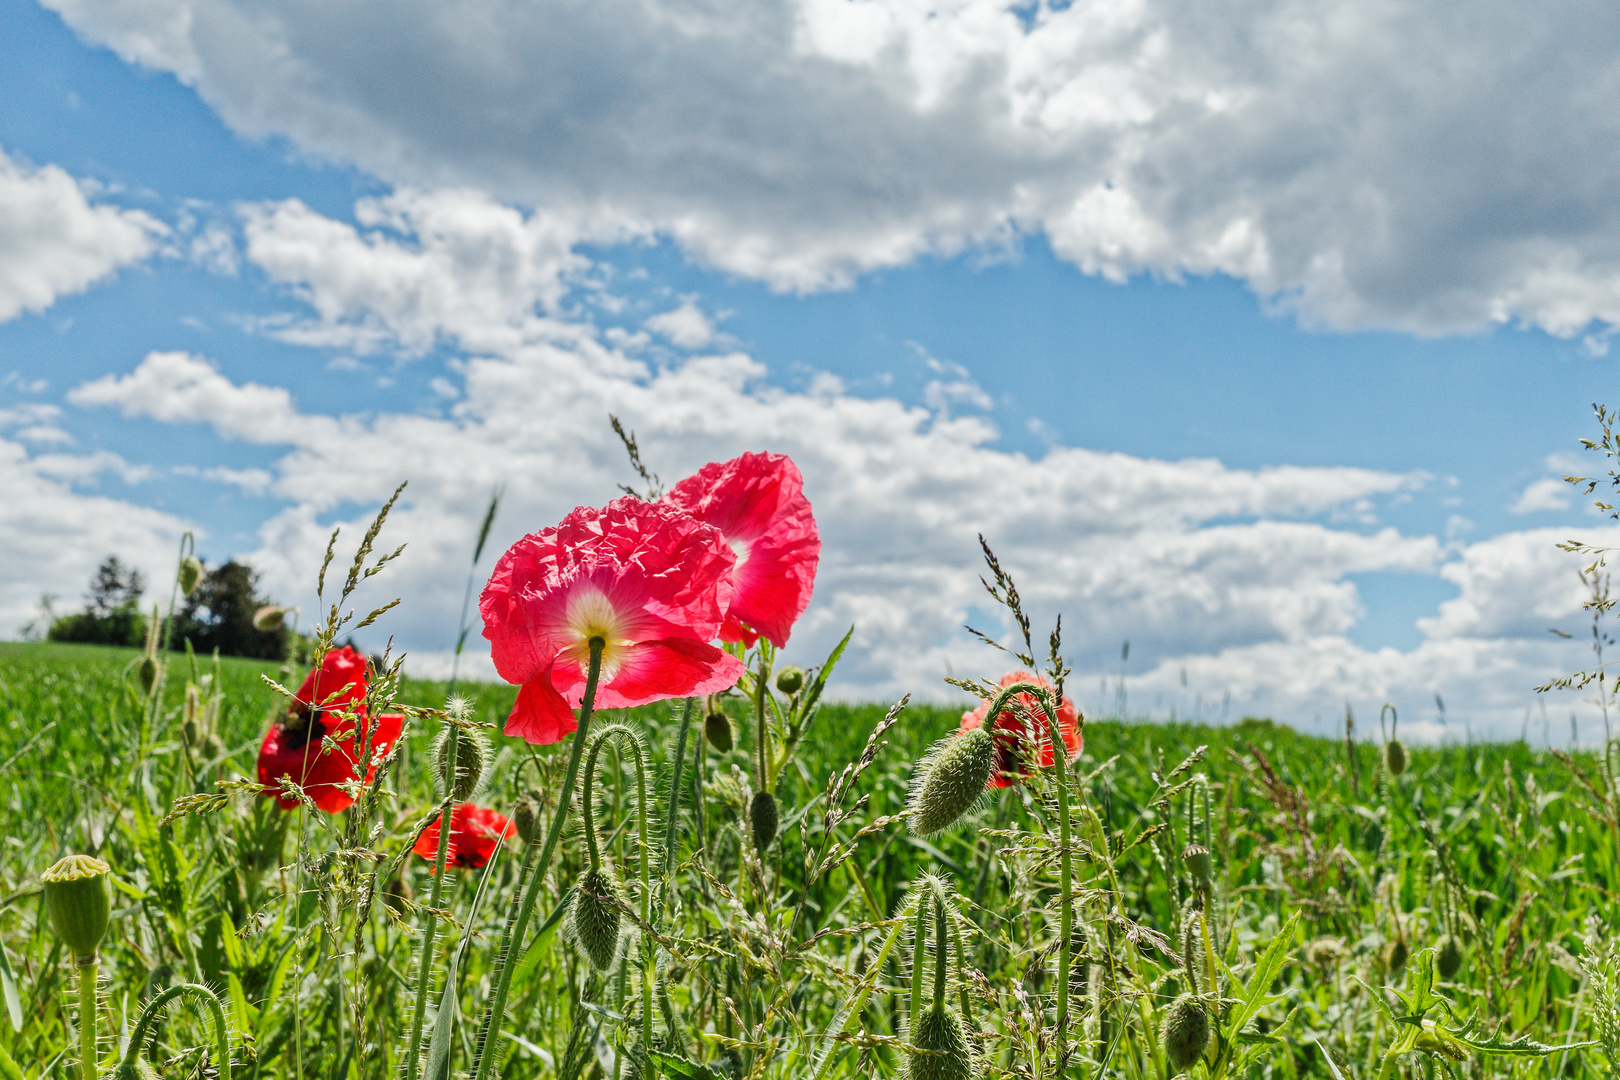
(112,614)
(219,615)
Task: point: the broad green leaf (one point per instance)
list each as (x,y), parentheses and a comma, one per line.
(679,1066)
(1257,995)
(8,1068)
(8,985)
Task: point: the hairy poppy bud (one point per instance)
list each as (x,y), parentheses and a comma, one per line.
(269,617)
(940,1030)
(526,818)
(1324,952)
(146,673)
(1200,864)
(595,916)
(76,898)
(472,754)
(717,729)
(191,717)
(1395,954)
(397,895)
(950,780)
(790,680)
(762,815)
(138,1069)
(190,575)
(1448,956)
(1395,757)
(1186,1033)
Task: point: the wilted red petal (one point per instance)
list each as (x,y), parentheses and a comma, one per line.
(1012,737)
(475,833)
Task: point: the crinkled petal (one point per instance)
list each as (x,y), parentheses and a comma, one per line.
(654,670)
(540,714)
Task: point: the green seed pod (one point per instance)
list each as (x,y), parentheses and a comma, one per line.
(1395,954)
(1200,864)
(269,617)
(764,818)
(1448,956)
(717,729)
(940,1030)
(526,817)
(950,780)
(595,916)
(190,575)
(146,673)
(1186,1033)
(1395,757)
(790,680)
(76,898)
(472,755)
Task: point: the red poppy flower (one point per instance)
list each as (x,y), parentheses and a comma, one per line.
(475,833)
(757,502)
(649,580)
(330,703)
(1013,749)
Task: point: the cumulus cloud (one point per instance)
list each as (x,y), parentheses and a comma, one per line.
(1401,164)
(686,326)
(54,241)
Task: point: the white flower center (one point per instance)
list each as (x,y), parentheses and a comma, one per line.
(592,615)
(741,549)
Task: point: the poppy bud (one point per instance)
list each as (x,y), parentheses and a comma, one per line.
(940,1030)
(138,1069)
(1395,757)
(472,754)
(191,716)
(950,780)
(717,729)
(763,816)
(397,894)
(269,617)
(595,916)
(1448,956)
(1200,864)
(76,898)
(190,575)
(1324,952)
(1395,954)
(526,817)
(790,680)
(1186,1033)
(146,673)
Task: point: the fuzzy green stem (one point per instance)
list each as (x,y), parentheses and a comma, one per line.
(941,955)
(1060,762)
(430,929)
(961,973)
(154,1009)
(919,941)
(618,731)
(496,1009)
(763,730)
(88,967)
(675,789)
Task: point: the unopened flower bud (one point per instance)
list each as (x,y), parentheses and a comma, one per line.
(472,755)
(1186,1033)
(594,914)
(948,1056)
(1395,954)
(1448,956)
(526,818)
(76,898)
(146,673)
(717,729)
(191,717)
(762,815)
(190,575)
(1395,757)
(790,680)
(950,779)
(1199,863)
(397,895)
(269,617)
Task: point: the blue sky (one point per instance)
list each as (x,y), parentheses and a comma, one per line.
(1425,395)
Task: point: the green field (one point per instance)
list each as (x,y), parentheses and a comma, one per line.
(1325,868)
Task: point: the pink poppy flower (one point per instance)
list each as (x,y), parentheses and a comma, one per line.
(757,502)
(1013,749)
(475,833)
(649,580)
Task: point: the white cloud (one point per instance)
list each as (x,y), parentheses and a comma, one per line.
(177,386)
(686,326)
(1548,493)
(54,241)
(1391,164)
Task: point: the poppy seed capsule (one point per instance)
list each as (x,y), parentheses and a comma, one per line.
(1186,1033)
(1395,757)
(190,575)
(950,780)
(940,1030)
(717,729)
(595,916)
(763,816)
(1200,864)
(1395,954)
(76,898)
(1448,956)
(471,756)
(790,680)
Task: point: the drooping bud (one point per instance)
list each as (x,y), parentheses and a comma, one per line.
(76,898)
(146,673)
(472,755)
(1186,1033)
(717,729)
(595,915)
(269,617)
(949,780)
(940,1031)
(1448,956)
(526,817)
(190,575)
(762,815)
(1200,864)
(1395,954)
(790,680)
(1395,757)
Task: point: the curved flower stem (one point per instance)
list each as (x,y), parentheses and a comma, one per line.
(762,736)
(496,1009)
(1060,763)
(414,1052)
(675,790)
(155,1008)
(88,967)
(941,954)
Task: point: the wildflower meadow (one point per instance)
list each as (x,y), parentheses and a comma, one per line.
(657,848)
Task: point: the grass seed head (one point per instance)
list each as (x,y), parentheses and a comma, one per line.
(940,1030)
(1186,1033)
(763,816)
(595,915)
(950,780)
(76,898)
(717,729)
